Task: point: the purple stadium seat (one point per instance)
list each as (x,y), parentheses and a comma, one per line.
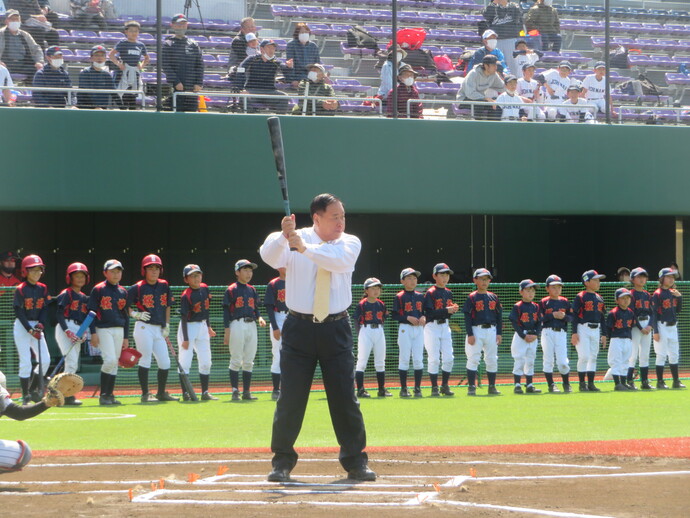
(452,52)
(361,15)
(223,60)
(82,55)
(133,18)
(283,11)
(677,60)
(281,43)
(663,61)
(350,85)
(320,29)
(442,35)
(574,57)
(147,39)
(69,56)
(654,28)
(341,29)
(589,26)
(465,35)
(551,57)
(428,17)
(473,19)
(85,36)
(626,42)
(111,37)
(675,78)
(202,41)
(670,45)
(433,49)
(210,59)
(355,51)
(220,42)
(569,25)
(335,13)
(309,11)
(150,77)
(381,15)
(356,106)
(633,27)
(153,57)
(455,19)
(639,60)
(64,35)
(221,25)
(599,42)
(373,30)
(409,17)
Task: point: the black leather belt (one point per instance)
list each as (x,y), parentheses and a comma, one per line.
(593,326)
(668,324)
(486,326)
(442,321)
(373,326)
(312,318)
(555,329)
(246,319)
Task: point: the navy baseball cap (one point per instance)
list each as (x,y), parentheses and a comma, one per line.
(178,18)
(52,51)
(243,263)
(371,282)
(528,283)
(592,274)
(565,63)
(638,271)
(554,280)
(268,42)
(482,272)
(9,256)
(574,87)
(112,264)
(98,48)
(599,64)
(190,269)
(667,271)
(442,268)
(623,292)
(409,271)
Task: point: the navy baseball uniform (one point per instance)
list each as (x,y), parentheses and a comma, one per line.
(554,342)
(195,305)
(438,341)
(369,318)
(71,311)
(641,305)
(410,337)
(589,319)
(526,321)
(484,321)
(619,325)
(666,307)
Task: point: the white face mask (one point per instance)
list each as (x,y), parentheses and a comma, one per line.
(491,44)
(304,37)
(399,56)
(57,62)
(313,76)
(252,51)
(14,26)
(180,32)
(99,66)
(408,81)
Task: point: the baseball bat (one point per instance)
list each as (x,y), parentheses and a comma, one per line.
(276,134)
(184,378)
(80,333)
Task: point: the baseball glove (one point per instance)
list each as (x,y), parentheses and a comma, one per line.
(67,384)
(53,397)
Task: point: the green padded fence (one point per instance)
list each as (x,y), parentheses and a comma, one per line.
(507,292)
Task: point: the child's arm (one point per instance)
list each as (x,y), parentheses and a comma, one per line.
(467,311)
(20,310)
(62,302)
(357,318)
(514,318)
(499,319)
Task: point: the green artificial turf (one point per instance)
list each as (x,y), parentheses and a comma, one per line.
(460,420)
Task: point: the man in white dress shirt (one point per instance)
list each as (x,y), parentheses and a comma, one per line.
(318,292)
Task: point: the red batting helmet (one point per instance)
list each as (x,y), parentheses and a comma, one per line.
(149,260)
(31,261)
(76,267)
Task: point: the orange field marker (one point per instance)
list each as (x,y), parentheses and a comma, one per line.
(222,470)
(437,487)
(192,477)
(131,494)
(473,473)
(153,486)
(161,484)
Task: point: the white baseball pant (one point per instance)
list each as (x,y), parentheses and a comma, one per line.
(371,338)
(110,345)
(26,343)
(439,347)
(641,345)
(14,455)
(70,353)
(484,341)
(243,344)
(587,348)
(555,343)
(534,113)
(150,342)
(667,346)
(199,341)
(524,353)
(410,342)
(599,103)
(618,356)
(277,344)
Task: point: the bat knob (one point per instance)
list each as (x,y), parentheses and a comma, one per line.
(293,249)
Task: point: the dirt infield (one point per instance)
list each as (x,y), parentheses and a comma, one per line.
(411,483)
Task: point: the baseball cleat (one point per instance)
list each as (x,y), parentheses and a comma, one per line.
(418,392)
(208,397)
(148,398)
(445,390)
(645,385)
(384,393)
(435,392)
(72,401)
(275,395)
(518,389)
(677,384)
(405,393)
(661,385)
(362,393)
(35,396)
(114,401)
(186,397)
(583,387)
(471,390)
(591,387)
(553,388)
(279,475)
(362,474)
(621,388)
(166,397)
(247,396)
(567,388)
(26,399)
(531,389)
(104,401)
(493,390)
(631,385)
(236,395)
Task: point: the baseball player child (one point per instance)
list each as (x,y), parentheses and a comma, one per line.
(240,314)
(527,324)
(30,300)
(194,332)
(666,304)
(555,314)
(408,309)
(484,326)
(150,300)
(438,309)
(110,328)
(369,317)
(71,311)
(274,300)
(641,305)
(619,325)
(589,319)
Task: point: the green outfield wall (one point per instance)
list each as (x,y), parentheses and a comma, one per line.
(124,161)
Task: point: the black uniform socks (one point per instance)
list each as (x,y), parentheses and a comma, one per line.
(144,379)
(234,378)
(403,378)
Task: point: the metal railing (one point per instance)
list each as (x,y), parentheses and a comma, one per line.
(654,112)
(76,90)
(472,104)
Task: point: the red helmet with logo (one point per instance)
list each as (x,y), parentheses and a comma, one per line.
(31,261)
(148,261)
(76,267)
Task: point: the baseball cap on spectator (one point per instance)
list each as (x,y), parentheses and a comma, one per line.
(554,280)
(667,271)
(509,78)
(317,65)
(623,292)
(574,87)
(9,256)
(488,33)
(489,59)
(52,51)
(407,68)
(371,282)
(268,42)
(592,274)
(442,268)
(242,263)
(528,65)
(622,269)
(482,272)
(190,269)
(599,64)
(638,271)
(250,36)
(179,18)
(527,283)
(112,264)
(98,48)
(565,63)
(11,12)
(520,42)
(409,271)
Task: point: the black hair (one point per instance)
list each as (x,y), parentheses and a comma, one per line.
(321,202)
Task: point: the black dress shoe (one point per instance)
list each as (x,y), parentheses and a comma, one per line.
(279,475)
(362,474)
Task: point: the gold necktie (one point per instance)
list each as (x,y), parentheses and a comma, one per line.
(322,294)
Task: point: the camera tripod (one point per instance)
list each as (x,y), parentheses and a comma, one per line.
(188,6)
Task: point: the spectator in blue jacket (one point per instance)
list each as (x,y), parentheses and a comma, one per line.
(260,78)
(490,40)
(183,64)
(53,74)
(96,76)
(302,52)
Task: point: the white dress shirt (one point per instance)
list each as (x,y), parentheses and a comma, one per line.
(338,257)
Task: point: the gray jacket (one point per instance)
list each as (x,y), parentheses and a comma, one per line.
(34,49)
(476,83)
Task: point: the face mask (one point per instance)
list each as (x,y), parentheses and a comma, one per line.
(399,56)
(313,76)
(408,81)
(57,63)
(269,57)
(491,44)
(304,37)
(99,66)
(7,270)
(14,26)
(180,32)
(252,51)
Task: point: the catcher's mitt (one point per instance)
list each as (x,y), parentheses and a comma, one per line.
(53,397)
(66,383)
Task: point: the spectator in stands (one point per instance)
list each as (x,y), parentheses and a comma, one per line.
(490,41)
(6,80)
(506,20)
(315,84)
(483,84)
(52,75)
(302,52)
(130,57)
(544,18)
(528,88)
(87,13)
(18,50)
(8,268)
(406,90)
(387,72)
(35,21)
(556,83)
(260,78)
(237,76)
(239,44)
(594,87)
(183,64)
(510,103)
(524,55)
(576,109)
(96,76)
